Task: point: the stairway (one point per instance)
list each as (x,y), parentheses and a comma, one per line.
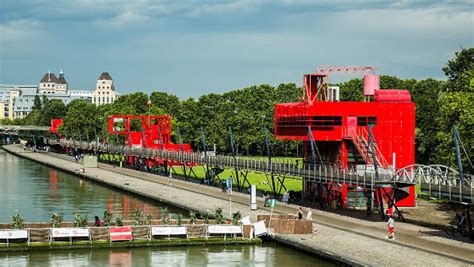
(362,147)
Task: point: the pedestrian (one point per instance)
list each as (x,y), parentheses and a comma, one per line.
(266,197)
(309,214)
(224,186)
(391,227)
(286,198)
(299,214)
(98,222)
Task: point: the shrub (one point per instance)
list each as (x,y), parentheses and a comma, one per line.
(119,221)
(56,220)
(192,217)
(165,216)
(80,220)
(179,220)
(148,219)
(138,217)
(107,219)
(18,221)
(236,216)
(205,217)
(219,216)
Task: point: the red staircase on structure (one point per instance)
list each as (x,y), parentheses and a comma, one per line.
(362,145)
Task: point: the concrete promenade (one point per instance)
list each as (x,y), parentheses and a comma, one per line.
(350,240)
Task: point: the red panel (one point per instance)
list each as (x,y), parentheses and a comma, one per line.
(392,96)
(54,125)
(120,233)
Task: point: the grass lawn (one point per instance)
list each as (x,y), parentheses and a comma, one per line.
(262,181)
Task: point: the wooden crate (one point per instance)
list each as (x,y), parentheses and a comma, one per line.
(140,232)
(195,231)
(39,235)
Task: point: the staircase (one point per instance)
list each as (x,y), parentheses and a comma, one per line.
(362,146)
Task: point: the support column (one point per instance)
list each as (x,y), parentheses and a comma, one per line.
(344,154)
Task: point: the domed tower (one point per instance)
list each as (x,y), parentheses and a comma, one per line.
(62,85)
(105,90)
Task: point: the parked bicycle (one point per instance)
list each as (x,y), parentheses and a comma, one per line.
(460,228)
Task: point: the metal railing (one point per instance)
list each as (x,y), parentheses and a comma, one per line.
(446,181)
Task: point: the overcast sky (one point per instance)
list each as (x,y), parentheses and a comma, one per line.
(190,48)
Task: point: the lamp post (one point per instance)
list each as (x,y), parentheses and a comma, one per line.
(149,104)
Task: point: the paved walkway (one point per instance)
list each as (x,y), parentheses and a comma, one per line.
(358,241)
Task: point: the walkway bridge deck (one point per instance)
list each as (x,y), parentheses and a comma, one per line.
(436,181)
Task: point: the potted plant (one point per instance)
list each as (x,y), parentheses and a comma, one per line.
(179,220)
(192,217)
(165,218)
(138,217)
(107,219)
(236,216)
(205,217)
(18,222)
(80,220)
(219,216)
(56,220)
(119,221)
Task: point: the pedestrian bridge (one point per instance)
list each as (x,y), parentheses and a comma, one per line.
(437,180)
(18,128)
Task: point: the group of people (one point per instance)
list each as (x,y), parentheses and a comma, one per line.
(300,215)
(78,157)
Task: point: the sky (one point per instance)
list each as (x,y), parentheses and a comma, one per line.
(191,48)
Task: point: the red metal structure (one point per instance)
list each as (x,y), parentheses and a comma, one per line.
(55,125)
(153,132)
(340,129)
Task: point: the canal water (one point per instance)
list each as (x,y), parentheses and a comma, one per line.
(36,191)
(265,255)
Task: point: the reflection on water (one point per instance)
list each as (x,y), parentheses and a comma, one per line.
(37,191)
(266,255)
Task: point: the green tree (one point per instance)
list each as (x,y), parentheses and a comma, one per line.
(81,119)
(352,90)
(455,108)
(52,109)
(460,71)
(37,103)
(169,103)
(425,94)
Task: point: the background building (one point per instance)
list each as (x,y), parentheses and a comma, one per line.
(9,93)
(104,90)
(16,101)
(49,84)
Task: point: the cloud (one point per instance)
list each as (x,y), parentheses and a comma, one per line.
(19,30)
(223,44)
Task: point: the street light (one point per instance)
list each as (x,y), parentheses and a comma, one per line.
(149,104)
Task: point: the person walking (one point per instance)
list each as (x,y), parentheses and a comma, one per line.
(299,214)
(286,198)
(309,214)
(98,222)
(391,227)
(266,197)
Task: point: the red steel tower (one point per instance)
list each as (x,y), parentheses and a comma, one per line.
(340,129)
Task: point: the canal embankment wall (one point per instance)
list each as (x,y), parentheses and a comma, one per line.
(361,243)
